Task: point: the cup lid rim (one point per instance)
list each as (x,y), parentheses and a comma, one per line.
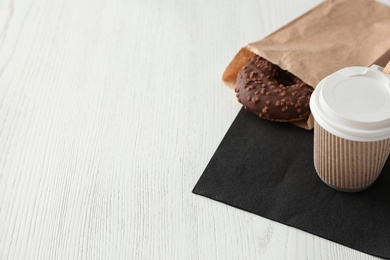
(363,117)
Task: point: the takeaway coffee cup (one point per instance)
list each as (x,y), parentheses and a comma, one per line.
(351,109)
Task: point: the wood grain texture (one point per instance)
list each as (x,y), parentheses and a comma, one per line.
(109,112)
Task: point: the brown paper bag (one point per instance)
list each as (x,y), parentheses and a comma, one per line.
(334,35)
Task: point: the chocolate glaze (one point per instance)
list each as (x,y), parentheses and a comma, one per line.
(272,93)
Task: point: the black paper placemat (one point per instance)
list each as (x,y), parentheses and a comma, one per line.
(267,168)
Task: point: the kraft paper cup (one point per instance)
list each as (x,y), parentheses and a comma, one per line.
(351,108)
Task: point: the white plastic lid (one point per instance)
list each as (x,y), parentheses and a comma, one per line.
(354,103)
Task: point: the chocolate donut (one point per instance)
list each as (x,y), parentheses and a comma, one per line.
(272,93)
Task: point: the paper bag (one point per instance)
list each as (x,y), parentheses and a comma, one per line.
(333,35)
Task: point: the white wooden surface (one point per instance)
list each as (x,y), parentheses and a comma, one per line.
(109,112)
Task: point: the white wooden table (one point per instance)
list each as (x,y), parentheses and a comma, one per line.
(109,112)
